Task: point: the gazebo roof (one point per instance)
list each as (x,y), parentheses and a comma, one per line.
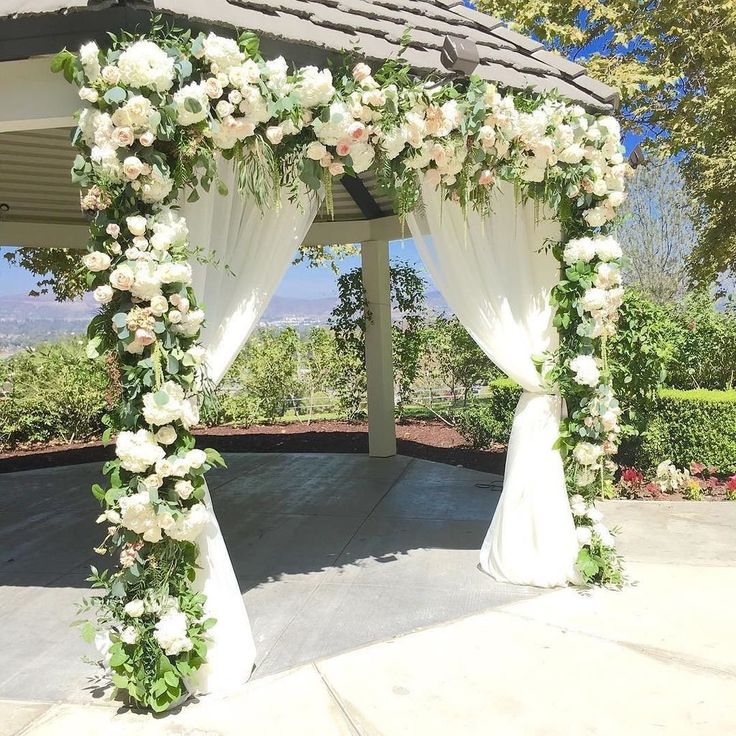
(35,163)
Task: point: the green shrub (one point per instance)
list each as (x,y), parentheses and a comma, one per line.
(489,420)
(685,426)
(239,408)
(51,392)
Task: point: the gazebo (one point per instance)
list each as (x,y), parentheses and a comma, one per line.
(447,38)
(495,255)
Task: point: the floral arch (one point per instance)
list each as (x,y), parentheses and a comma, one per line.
(161,112)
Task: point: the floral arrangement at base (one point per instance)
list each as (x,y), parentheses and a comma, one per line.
(698,482)
(161,109)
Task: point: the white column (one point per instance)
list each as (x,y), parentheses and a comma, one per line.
(378,359)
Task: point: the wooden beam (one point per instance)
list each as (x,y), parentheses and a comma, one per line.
(355,187)
(34,97)
(355,231)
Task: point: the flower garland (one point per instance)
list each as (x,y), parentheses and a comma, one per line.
(161,109)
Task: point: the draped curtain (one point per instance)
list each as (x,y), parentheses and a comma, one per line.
(252,250)
(495,276)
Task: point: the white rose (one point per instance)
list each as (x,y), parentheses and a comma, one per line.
(129,635)
(593,514)
(171,272)
(123,137)
(132,167)
(171,633)
(159,305)
(190,524)
(196,458)
(88,94)
(275,134)
(166,435)
(97,261)
(136,224)
(111,74)
(316,151)
(135,608)
(361,71)
(147,138)
(103,294)
(184,489)
(584,534)
(122,278)
(607,539)
(213,88)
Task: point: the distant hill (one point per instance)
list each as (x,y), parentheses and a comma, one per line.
(27,320)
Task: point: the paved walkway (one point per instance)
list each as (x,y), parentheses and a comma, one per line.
(340,558)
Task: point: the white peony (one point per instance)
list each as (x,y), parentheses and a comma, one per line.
(157,187)
(189,524)
(362,155)
(136,224)
(586,370)
(223,52)
(138,515)
(138,450)
(146,64)
(586,453)
(192,103)
(171,633)
(314,88)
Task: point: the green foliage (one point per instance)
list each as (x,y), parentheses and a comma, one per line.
(59,270)
(639,354)
(489,421)
(675,65)
(705,345)
(51,392)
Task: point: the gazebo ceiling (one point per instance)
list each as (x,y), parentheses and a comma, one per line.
(34,164)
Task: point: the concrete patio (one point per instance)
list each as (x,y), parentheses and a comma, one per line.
(371,617)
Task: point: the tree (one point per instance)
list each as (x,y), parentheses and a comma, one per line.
(320,362)
(460,362)
(675,65)
(657,231)
(348,320)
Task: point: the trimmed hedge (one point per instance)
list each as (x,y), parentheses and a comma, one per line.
(682,426)
(686,426)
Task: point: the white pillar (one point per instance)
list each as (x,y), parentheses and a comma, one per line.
(378,359)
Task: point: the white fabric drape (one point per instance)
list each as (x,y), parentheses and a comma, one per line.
(494,277)
(257,248)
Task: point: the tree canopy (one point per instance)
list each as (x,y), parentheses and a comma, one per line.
(674,62)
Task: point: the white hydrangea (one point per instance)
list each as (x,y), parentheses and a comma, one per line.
(584,535)
(603,533)
(168,404)
(190,323)
(173,272)
(607,275)
(586,370)
(192,95)
(579,249)
(170,633)
(146,64)
(138,515)
(594,300)
(608,249)
(254,108)
(314,88)
(586,453)
(169,230)
(138,450)
(147,284)
(577,505)
(189,524)
(223,52)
